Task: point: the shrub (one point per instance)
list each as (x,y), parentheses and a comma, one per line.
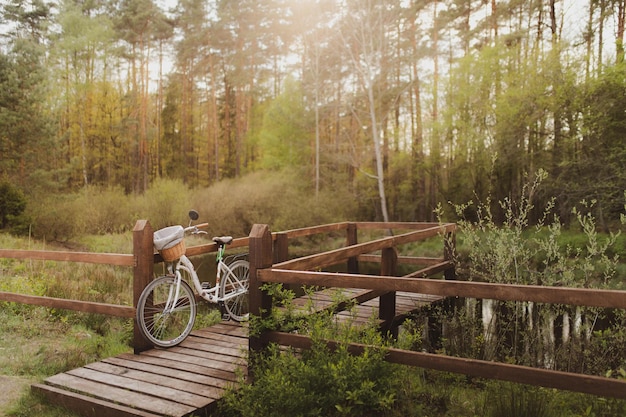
(281,201)
(514,400)
(12,206)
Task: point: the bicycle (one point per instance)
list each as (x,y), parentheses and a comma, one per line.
(166,309)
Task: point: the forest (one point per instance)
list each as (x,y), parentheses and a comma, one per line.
(401,105)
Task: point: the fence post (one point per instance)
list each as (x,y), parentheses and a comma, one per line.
(261,257)
(387,303)
(351,239)
(281,247)
(142,273)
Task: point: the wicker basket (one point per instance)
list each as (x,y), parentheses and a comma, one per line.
(170,242)
(173,253)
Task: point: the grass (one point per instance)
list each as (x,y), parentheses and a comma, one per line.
(40,341)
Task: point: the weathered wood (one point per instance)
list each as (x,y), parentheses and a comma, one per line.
(444,227)
(387,305)
(143,251)
(315,230)
(431,270)
(351,240)
(83,306)
(209,361)
(261,257)
(66,256)
(208,375)
(200,384)
(505,292)
(85,405)
(281,247)
(130,398)
(403,260)
(337,256)
(138,383)
(169,381)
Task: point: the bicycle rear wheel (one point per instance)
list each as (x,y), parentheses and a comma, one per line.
(166,311)
(234,290)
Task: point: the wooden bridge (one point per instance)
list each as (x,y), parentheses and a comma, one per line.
(185,380)
(190,378)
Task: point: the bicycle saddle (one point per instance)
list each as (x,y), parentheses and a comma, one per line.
(225,240)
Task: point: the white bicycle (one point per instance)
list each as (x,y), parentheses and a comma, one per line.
(166,310)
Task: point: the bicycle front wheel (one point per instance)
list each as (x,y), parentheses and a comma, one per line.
(234,289)
(166,311)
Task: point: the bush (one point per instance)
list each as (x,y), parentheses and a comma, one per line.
(279,200)
(12,206)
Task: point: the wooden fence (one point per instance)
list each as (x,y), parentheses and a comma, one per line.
(302,271)
(269,263)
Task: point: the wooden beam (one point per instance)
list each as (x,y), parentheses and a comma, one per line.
(64,256)
(449,288)
(600,386)
(143,273)
(340,255)
(84,306)
(431,270)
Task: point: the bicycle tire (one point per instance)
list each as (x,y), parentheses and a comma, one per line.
(237,307)
(166,328)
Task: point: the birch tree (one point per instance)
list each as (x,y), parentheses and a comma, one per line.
(364,37)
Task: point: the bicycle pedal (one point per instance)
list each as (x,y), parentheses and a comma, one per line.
(225,317)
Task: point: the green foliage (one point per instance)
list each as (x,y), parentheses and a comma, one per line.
(12,206)
(165,203)
(317,382)
(284,141)
(517,252)
(514,400)
(279,200)
(320,381)
(230,207)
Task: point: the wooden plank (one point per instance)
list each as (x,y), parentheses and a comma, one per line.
(403,260)
(448,288)
(337,256)
(84,306)
(221,339)
(161,379)
(207,384)
(230,329)
(122,396)
(315,230)
(195,360)
(65,256)
(444,227)
(193,344)
(206,375)
(431,270)
(140,387)
(85,405)
(222,361)
(143,273)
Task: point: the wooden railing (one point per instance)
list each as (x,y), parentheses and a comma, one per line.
(269,262)
(303,271)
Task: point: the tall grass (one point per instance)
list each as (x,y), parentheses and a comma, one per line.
(230,206)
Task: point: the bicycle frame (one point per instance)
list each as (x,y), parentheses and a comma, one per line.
(211,294)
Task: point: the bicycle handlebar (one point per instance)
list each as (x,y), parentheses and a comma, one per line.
(195,227)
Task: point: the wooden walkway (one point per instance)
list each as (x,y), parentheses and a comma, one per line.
(188,379)
(180,381)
